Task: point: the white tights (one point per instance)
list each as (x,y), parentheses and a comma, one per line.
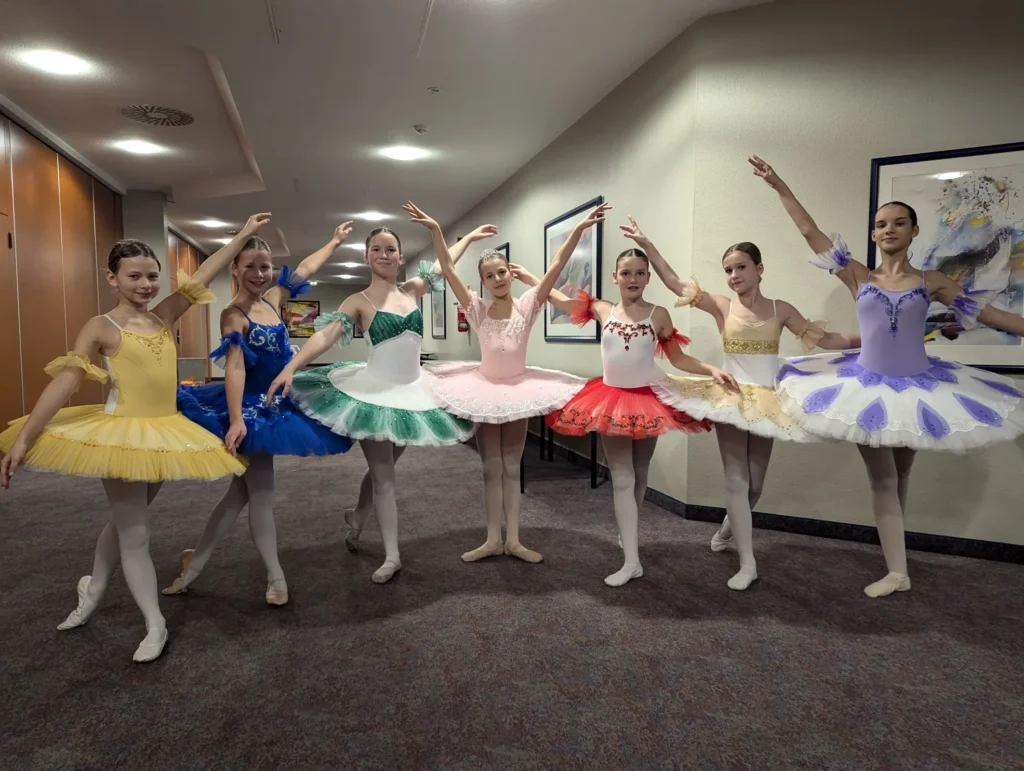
(501,452)
(889,476)
(745,459)
(381,457)
(629,461)
(255,488)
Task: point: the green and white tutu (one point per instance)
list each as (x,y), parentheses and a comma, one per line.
(385,398)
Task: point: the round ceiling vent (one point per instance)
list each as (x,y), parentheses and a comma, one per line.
(156,116)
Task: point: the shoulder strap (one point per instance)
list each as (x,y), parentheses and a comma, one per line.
(243,312)
(363,293)
(107,317)
(274,309)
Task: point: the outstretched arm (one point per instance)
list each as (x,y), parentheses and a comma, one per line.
(444,257)
(566,251)
(555,297)
(812,334)
(291,284)
(670,344)
(170,309)
(971,308)
(419,285)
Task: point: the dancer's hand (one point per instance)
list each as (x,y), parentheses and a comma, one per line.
(9,465)
(420,217)
(343,231)
(282,383)
(519,273)
(766,172)
(255,222)
(595,216)
(236,433)
(632,232)
(482,232)
(723,378)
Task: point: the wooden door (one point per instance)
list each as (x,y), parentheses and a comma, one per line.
(5,170)
(11,403)
(107,231)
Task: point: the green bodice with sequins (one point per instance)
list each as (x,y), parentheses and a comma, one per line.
(387,325)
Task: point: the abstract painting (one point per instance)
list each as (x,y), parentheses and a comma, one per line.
(581,273)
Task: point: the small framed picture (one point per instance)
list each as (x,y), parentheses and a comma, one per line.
(581,273)
(299,315)
(438,312)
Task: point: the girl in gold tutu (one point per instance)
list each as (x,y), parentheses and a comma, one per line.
(137,440)
(748,420)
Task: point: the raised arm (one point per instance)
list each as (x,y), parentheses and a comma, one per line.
(812,334)
(555,297)
(547,284)
(971,308)
(170,309)
(690,292)
(670,346)
(296,282)
(445,261)
(233,348)
(67,372)
(422,282)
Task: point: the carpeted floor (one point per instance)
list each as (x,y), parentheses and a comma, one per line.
(498,664)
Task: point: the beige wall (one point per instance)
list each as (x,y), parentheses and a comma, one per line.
(818,90)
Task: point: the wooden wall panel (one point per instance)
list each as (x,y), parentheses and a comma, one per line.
(5,171)
(78,245)
(107,218)
(11,404)
(38,251)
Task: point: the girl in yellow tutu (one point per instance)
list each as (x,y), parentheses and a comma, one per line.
(137,440)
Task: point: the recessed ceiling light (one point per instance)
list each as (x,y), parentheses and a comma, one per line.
(314,283)
(373,216)
(346,275)
(212,224)
(222,240)
(55,62)
(404,153)
(360,247)
(350,264)
(139,147)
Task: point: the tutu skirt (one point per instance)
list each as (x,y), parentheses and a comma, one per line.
(949,407)
(350,401)
(463,391)
(634,412)
(86,441)
(276,430)
(755,408)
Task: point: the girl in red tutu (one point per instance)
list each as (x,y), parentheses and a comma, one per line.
(621,406)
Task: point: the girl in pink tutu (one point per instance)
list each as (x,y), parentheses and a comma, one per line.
(500,393)
(621,405)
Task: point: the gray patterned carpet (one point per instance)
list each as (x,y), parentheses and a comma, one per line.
(499,664)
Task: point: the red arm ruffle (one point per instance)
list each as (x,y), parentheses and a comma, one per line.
(582,309)
(675,341)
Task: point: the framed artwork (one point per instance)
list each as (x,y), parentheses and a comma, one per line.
(299,315)
(357,332)
(503,249)
(438,313)
(582,272)
(971,219)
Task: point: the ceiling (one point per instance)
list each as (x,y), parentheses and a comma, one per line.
(291,98)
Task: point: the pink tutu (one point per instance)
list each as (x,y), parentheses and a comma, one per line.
(460,388)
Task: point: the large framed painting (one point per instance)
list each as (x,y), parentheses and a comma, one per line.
(503,249)
(971,217)
(299,316)
(438,313)
(582,272)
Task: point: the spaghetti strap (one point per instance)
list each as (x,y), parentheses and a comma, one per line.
(375,308)
(775,311)
(107,317)
(243,312)
(276,313)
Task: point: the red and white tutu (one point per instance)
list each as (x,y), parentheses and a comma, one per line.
(634,412)
(463,391)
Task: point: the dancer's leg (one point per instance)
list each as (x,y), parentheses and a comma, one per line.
(128,502)
(904,458)
(488,443)
(733,447)
(513,440)
(355,519)
(618,452)
(381,457)
(643,452)
(259,482)
(884,479)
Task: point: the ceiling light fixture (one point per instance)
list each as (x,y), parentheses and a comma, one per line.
(346,275)
(373,216)
(314,283)
(404,153)
(360,247)
(139,147)
(211,223)
(350,264)
(222,240)
(55,62)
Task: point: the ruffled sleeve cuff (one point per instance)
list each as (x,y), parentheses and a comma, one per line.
(231,340)
(668,345)
(324,320)
(811,335)
(969,304)
(582,310)
(72,359)
(293,282)
(834,258)
(196,292)
(426,270)
(692,294)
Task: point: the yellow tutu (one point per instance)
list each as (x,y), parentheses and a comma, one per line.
(139,435)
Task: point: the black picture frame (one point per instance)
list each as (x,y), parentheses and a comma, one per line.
(945,167)
(434,315)
(557,328)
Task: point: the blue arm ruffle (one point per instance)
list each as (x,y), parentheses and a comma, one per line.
(324,320)
(233,340)
(293,282)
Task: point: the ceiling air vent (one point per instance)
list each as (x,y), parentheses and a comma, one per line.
(156,116)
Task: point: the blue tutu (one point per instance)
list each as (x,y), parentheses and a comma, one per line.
(278,429)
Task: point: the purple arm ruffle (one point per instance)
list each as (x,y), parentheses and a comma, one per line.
(293,282)
(969,304)
(834,259)
(233,340)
